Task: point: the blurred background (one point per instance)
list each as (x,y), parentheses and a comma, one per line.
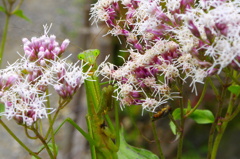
(70,19)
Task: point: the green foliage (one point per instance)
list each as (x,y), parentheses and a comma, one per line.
(173,128)
(200,116)
(2,9)
(20,14)
(235,89)
(129,152)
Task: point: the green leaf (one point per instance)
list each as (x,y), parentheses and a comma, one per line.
(129,152)
(235,89)
(177,113)
(2,9)
(173,128)
(202,116)
(20,14)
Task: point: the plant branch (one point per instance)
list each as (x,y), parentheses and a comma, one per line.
(157,140)
(18,140)
(199,101)
(43,142)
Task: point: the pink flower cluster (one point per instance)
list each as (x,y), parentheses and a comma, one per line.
(42,48)
(169,39)
(24,84)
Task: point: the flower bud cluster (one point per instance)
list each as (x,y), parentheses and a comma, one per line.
(43,48)
(169,39)
(24,84)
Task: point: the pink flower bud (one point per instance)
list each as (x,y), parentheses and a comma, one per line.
(64,45)
(194,29)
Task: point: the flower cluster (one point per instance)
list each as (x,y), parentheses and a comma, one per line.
(24,84)
(169,40)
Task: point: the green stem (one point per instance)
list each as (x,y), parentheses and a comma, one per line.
(222,130)
(214,88)
(182,123)
(61,105)
(43,142)
(116,105)
(174,122)
(28,135)
(198,103)
(69,120)
(157,140)
(18,6)
(4,37)
(224,122)
(18,140)
(51,122)
(8,14)
(233,77)
(220,99)
(234,114)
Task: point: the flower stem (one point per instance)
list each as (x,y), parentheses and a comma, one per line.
(222,130)
(51,126)
(116,105)
(225,122)
(8,13)
(182,122)
(43,142)
(220,99)
(4,37)
(61,105)
(157,140)
(18,140)
(199,101)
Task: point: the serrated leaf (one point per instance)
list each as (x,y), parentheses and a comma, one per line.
(20,14)
(129,152)
(2,9)
(202,116)
(173,128)
(235,89)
